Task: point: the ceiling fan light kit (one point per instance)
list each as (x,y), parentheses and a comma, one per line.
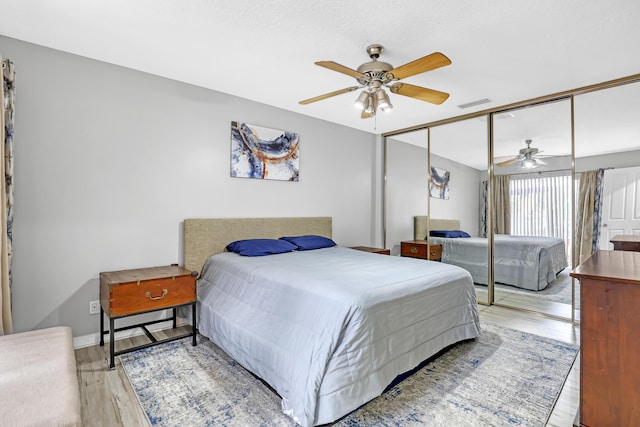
(528,157)
(363,100)
(374,75)
(529,164)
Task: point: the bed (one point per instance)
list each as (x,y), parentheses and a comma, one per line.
(527,262)
(327,340)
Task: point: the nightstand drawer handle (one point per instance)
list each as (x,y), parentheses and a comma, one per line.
(164,293)
(414,250)
(433,252)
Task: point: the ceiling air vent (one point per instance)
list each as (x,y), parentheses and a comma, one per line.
(474,103)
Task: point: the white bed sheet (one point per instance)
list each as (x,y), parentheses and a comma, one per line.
(329,329)
(528,262)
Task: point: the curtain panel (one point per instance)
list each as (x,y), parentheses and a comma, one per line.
(588,213)
(597,211)
(7,95)
(501,206)
(585,215)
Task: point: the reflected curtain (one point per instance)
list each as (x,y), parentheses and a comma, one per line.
(483,208)
(586,222)
(501,205)
(7,94)
(541,206)
(597,211)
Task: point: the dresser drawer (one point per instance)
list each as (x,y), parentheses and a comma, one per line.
(120,298)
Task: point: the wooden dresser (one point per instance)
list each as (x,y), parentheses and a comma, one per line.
(624,242)
(421,249)
(609,339)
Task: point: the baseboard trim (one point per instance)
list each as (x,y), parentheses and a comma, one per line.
(94,339)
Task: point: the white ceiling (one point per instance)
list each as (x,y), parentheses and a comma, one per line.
(504,50)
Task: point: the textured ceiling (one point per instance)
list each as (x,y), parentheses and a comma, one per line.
(503,50)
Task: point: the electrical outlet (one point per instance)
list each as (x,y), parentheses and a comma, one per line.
(94,307)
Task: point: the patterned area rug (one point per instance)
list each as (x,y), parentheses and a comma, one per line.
(503,378)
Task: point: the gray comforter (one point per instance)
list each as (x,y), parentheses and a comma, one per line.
(528,262)
(329,329)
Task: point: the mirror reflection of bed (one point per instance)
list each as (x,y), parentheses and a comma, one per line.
(532,271)
(536,201)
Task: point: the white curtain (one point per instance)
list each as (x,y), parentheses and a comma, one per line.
(541,206)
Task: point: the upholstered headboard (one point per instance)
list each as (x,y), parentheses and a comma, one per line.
(209,236)
(421,228)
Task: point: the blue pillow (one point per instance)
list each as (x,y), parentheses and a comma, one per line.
(449,233)
(260,247)
(309,242)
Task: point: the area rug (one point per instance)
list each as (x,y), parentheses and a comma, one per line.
(503,378)
(559,290)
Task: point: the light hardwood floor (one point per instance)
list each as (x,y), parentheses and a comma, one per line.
(108,400)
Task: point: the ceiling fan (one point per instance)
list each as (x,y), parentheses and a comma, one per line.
(375,75)
(528,157)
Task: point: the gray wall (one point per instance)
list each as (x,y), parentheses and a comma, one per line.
(464,195)
(408,192)
(616,160)
(109,161)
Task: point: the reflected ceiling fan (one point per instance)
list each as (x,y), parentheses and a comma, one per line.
(375,75)
(528,157)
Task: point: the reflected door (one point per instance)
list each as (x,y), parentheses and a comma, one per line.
(620,205)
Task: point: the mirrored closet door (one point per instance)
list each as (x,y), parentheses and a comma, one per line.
(458,151)
(532,208)
(406,186)
(521,172)
(607,166)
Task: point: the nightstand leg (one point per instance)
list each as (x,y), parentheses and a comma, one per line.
(111,344)
(101,327)
(193,323)
(174,317)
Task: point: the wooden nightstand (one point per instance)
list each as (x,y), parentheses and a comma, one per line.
(421,249)
(129,292)
(372,250)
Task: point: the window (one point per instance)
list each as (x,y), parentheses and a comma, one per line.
(541,206)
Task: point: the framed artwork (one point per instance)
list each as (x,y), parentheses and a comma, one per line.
(439,183)
(263,153)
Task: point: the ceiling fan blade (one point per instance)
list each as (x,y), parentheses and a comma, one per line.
(421,93)
(366,115)
(329,95)
(539,161)
(509,162)
(340,68)
(427,63)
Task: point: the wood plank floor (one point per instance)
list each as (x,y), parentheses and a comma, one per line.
(108,400)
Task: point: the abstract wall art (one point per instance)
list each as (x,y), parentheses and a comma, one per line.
(263,153)
(439,183)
